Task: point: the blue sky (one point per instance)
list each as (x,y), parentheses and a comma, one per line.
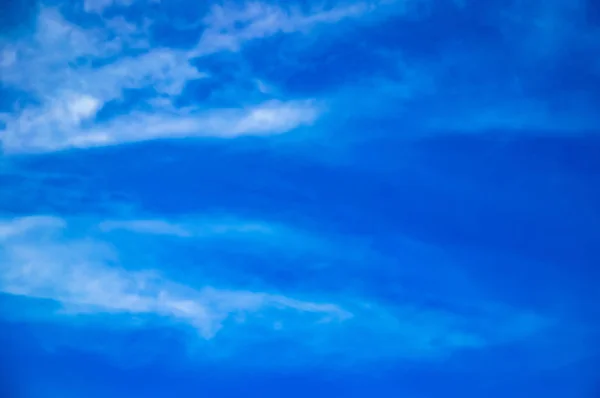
(299,198)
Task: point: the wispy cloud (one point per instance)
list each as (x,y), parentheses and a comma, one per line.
(21,226)
(85,276)
(229,26)
(60,127)
(98,6)
(70,74)
(73,71)
(195,229)
(78,274)
(155,227)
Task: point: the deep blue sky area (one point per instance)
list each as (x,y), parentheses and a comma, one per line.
(353,198)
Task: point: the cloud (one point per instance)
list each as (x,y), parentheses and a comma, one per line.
(98,6)
(49,258)
(60,127)
(229,26)
(84,277)
(195,229)
(154,227)
(72,72)
(21,226)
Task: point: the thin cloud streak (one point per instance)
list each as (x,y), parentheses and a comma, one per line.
(79,275)
(56,66)
(45,258)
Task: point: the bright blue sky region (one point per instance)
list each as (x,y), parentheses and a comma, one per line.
(354,198)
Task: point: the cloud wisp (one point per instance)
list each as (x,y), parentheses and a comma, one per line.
(70,75)
(46,258)
(84,277)
(205,229)
(228,27)
(71,72)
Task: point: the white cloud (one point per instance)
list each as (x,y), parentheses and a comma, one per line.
(98,6)
(84,277)
(198,228)
(55,66)
(21,226)
(154,227)
(229,26)
(55,61)
(72,71)
(59,127)
(67,262)
(7,57)
(83,107)
(49,258)
(274,117)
